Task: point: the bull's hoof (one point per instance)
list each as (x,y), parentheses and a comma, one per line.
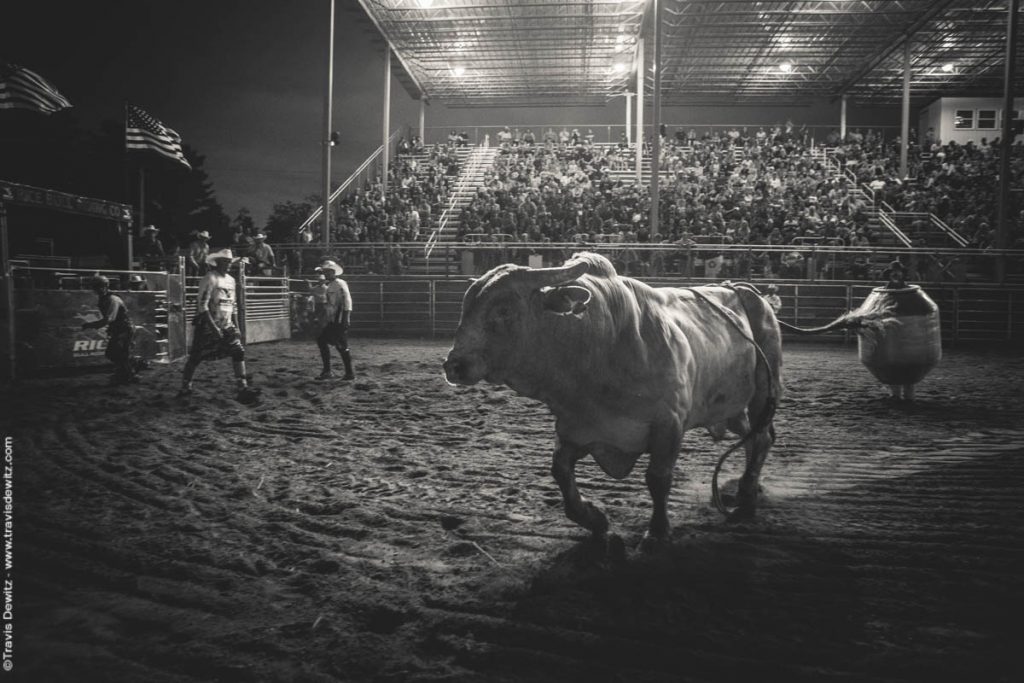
(653,544)
(615,549)
(743,513)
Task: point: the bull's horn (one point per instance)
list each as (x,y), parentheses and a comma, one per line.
(550,277)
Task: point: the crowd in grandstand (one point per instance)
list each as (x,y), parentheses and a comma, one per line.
(743,186)
(418,180)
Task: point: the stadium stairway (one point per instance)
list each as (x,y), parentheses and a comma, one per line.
(445,227)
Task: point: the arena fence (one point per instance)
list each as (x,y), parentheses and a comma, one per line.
(50,305)
(432,307)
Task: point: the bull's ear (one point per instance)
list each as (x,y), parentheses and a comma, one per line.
(567,300)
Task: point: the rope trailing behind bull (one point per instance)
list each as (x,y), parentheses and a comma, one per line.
(866,319)
(772,402)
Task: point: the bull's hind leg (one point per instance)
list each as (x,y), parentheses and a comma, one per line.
(757,448)
(582,512)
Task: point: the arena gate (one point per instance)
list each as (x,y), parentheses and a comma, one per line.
(41,310)
(264,308)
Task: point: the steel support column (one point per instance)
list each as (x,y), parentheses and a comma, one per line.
(328,98)
(639,110)
(656,123)
(423,119)
(842,118)
(1006,139)
(385,152)
(629,117)
(905,116)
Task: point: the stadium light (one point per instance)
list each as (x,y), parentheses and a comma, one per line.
(618,67)
(425,4)
(458,70)
(948,67)
(786,67)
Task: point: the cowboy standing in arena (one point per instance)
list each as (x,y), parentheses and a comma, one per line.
(119,330)
(215,334)
(338,309)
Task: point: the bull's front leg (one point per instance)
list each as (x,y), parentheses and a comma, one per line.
(582,512)
(664,453)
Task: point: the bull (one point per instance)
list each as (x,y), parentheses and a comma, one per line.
(626,369)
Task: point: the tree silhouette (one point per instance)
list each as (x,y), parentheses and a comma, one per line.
(286,217)
(55,152)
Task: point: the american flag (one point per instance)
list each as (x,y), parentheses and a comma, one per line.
(24,89)
(143,131)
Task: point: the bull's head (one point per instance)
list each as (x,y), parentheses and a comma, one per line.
(501,314)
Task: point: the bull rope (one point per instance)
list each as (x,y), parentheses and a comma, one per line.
(773,400)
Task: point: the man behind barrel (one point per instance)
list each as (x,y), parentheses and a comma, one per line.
(338,310)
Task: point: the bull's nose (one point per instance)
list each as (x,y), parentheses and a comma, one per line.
(453,368)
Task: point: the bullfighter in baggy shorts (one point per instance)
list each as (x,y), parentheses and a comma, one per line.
(215,334)
(119,330)
(338,311)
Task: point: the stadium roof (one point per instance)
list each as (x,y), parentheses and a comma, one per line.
(546,52)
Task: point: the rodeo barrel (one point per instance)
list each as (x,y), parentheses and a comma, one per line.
(905,350)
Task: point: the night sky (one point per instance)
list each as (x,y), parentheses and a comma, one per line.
(241,82)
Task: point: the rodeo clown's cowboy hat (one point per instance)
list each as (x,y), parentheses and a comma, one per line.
(222,255)
(330,265)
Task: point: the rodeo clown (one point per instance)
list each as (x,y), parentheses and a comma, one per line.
(114,316)
(215,334)
(338,311)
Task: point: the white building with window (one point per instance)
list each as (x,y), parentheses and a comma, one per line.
(965,119)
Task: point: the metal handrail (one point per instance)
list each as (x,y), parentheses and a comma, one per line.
(473,164)
(942,225)
(894,229)
(348,181)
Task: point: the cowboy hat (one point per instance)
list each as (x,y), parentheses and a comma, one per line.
(259,236)
(136,278)
(221,255)
(150,228)
(203,235)
(98,281)
(332,266)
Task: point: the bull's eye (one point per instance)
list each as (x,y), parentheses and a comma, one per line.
(499,318)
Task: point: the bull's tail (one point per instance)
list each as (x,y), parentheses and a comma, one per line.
(873,317)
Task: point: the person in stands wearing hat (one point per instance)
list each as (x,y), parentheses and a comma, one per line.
(149,249)
(338,311)
(114,316)
(772,297)
(262,255)
(198,250)
(215,333)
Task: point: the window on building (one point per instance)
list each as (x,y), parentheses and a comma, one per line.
(986,119)
(963,119)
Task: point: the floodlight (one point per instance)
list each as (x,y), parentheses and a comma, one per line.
(425,4)
(948,67)
(458,70)
(786,67)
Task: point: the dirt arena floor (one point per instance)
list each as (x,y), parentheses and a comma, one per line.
(399,529)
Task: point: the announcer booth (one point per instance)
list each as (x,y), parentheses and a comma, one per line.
(46,300)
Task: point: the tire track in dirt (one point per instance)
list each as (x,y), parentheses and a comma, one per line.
(396,528)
